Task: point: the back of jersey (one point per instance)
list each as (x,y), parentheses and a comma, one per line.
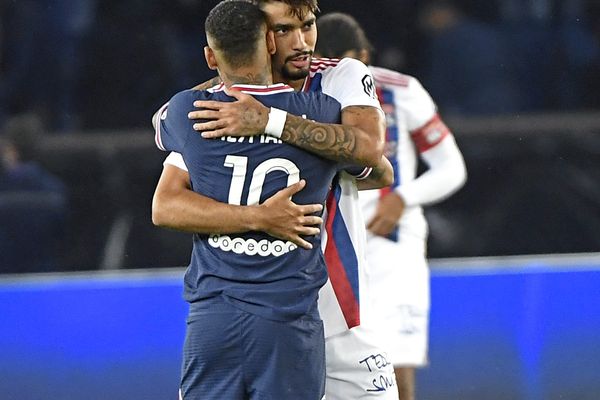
(253,271)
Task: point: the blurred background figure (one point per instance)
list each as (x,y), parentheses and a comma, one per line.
(42,58)
(553,50)
(33,202)
(468,69)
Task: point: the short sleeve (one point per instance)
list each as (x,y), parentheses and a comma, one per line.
(176,160)
(173,127)
(350,82)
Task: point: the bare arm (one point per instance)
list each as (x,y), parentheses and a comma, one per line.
(358,140)
(176,206)
(382,175)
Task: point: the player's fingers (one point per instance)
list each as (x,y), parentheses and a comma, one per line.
(213,105)
(376,226)
(297,240)
(311,208)
(293,189)
(372,223)
(308,231)
(382,228)
(204,114)
(312,220)
(217,133)
(209,125)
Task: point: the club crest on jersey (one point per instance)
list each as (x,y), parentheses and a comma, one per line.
(369,86)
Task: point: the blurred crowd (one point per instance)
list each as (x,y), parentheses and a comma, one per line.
(76,66)
(89,64)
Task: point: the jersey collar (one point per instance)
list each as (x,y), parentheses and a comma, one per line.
(255,89)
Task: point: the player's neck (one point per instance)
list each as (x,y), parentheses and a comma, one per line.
(248,76)
(296,84)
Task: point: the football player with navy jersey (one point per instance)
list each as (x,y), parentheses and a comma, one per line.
(357,365)
(253,331)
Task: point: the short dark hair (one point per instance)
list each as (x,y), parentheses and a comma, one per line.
(235,26)
(298,7)
(339,33)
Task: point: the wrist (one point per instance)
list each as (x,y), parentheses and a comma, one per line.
(254,217)
(276,122)
(398,192)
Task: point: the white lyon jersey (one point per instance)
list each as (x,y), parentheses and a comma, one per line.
(414,129)
(344,301)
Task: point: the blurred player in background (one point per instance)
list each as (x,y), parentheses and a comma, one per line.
(396,246)
(357,366)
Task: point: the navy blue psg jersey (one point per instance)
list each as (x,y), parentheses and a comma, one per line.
(253,271)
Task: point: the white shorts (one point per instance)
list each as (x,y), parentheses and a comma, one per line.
(357,367)
(398,278)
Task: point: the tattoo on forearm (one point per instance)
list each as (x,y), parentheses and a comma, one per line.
(337,142)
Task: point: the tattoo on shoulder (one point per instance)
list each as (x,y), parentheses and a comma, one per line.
(208,84)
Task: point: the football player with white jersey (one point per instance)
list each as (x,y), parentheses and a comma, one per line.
(357,363)
(396,245)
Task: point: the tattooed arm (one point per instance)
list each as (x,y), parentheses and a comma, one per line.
(339,142)
(358,140)
(382,175)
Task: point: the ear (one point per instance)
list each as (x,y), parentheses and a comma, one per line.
(211,60)
(271,46)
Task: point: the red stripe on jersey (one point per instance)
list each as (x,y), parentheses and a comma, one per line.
(337,273)
(324,61)
(430,134)
(390,77)
(258,89)
(319,64)
(392,81)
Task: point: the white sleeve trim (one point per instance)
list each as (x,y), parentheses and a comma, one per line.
(157,119)
(176,160)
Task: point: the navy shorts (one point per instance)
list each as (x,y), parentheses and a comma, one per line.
(230,354)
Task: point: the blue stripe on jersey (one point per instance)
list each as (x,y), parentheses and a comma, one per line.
(391,135)
(392,138)
(315,83)
(344,245)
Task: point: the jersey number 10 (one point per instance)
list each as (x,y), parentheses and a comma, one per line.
(238,178)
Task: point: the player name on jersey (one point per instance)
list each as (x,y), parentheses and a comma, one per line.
(262,139)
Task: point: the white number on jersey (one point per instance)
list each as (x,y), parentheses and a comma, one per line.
(240,165)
